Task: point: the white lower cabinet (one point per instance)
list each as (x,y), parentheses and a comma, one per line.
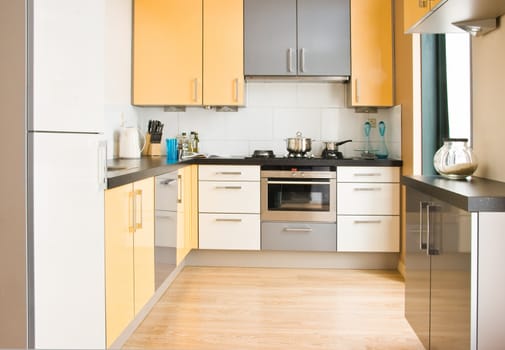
(229,231)
(368,209)
(229,207)
(368,233)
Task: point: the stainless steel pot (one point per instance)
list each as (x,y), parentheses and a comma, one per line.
(299,144)
(333,145)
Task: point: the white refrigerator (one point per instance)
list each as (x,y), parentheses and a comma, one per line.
(66,174)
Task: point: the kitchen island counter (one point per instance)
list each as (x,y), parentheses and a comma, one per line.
(124,171)
(475,195)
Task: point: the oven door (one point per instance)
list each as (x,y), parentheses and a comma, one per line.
(304,199)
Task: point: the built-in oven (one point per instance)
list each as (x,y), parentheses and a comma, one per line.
(298,193)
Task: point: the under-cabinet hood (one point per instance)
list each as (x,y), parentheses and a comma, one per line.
(445,17)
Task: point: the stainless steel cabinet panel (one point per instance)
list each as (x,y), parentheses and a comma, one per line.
(438,284)
(270,37)
(299,236)
(324,46)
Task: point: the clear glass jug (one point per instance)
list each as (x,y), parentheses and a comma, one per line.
(455,159)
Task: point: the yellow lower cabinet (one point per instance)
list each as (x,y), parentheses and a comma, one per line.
(187,213)
(129,253)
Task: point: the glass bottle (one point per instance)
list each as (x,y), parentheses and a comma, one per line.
(382,151)
(455,159)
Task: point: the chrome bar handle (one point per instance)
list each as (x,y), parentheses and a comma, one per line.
(229,173)
(296,229)
(290,60)
(302,60)
(228,187)
(367,189)
(195,90)
(356,90)
(430,231)
(168,182)
(235,82)
(102,165)
(367,221)
(367,174)
(139,210)
(131,212)
(228,220)
(298,182)
(422,208)
(179,189)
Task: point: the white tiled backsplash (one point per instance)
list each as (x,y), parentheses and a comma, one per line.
(274,111)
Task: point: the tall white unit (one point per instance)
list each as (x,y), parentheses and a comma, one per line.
(66,174)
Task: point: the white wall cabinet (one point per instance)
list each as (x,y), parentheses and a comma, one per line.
(368,209)
(229,207)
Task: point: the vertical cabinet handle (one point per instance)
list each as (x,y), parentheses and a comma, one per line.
(356,90)
(138,209)
(179,189)
(422,235)
(131,212)
(195,89)
(235,96)
(302,60)
(423,4)
(431,233)
(290,60)
(102,165)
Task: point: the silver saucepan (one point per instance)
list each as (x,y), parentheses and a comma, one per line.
(299,144)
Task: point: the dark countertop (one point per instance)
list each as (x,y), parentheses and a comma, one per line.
(138,169)
(477,194)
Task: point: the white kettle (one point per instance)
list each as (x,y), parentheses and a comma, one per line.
(129,142)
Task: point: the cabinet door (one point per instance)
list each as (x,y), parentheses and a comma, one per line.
(417,266)
(270,37)
(323,37)
(449,240)
(413,11)
(144,242)
(223,52)
(118,260)
(167,52)
(368,233)
(302,236)
(372,53)
(230,231)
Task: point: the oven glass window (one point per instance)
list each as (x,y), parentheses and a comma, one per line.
(288,195)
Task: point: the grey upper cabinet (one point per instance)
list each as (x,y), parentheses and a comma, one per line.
(297,37)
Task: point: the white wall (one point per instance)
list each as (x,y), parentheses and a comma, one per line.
(274,112)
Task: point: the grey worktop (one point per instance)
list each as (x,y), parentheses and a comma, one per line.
(138,169)
(477,194)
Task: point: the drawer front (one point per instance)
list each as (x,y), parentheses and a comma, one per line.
(368,199)
(368,174)
(229,172)
(166,192)
(298,236)
(229,197)
(368,233)
(229,231)
(165,229)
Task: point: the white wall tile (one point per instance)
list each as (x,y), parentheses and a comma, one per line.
(321,95)
(288,121)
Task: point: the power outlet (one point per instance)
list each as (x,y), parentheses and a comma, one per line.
(373,122)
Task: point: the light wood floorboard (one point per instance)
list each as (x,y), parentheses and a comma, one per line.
(263,308)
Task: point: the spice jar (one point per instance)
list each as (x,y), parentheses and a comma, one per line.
(455,159)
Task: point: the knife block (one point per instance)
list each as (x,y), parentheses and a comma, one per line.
(154,149)
(145,150)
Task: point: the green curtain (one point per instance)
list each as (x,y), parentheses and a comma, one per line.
(435,113)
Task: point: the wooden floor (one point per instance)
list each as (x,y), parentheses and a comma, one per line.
(259,308)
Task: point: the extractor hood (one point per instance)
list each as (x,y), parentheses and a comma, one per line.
(457,16)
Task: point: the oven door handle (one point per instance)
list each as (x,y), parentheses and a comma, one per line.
(298,182)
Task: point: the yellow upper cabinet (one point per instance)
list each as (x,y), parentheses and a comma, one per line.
(188,52)
(414,10)
(223,47)
(167,52)
(371,53)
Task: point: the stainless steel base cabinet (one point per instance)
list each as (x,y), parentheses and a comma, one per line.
(437,274)
(301,236)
